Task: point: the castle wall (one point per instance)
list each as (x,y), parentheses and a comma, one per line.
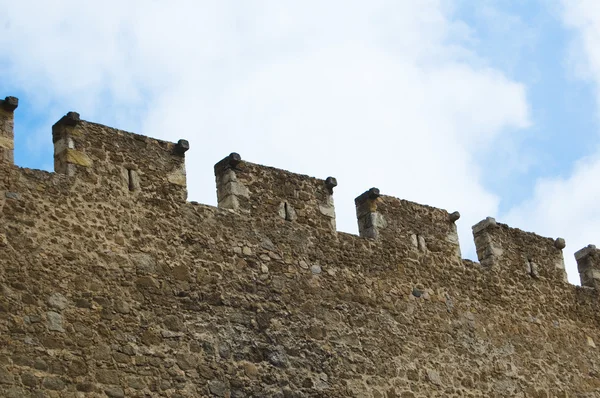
(119,162)
(519,254)
(106,292)
(419,229)
(588,265)
(269,192)
(7,137)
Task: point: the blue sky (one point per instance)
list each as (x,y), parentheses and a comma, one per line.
(529,42)
(491,109)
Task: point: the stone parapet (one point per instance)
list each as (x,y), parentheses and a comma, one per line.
(7,136)
(588,265)
(518,253)
(123,162)
(263,191)
(113,285)
(401,223)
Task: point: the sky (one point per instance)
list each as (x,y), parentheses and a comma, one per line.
(490,108)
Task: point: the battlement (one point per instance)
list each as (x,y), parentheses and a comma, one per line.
(7,136)
(114,285)
(269,192)
(588,265)
(519,253)
(123,162)
(397,222)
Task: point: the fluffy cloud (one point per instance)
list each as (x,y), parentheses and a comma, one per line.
(583,16)
(567,205)
(382,94)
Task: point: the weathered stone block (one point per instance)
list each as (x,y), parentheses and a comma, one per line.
(588,265)
(72,156)
(58,301)
(178,176)
(7,143)
(489,222)
(54,321)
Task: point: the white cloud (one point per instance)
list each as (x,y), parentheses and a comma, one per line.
(567,206)
(384,93)
(583,16)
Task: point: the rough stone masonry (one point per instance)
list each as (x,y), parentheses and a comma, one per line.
(112,285)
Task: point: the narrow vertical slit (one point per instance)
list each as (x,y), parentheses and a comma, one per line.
(287,212)
(421,245)
(532,268)
(130,180)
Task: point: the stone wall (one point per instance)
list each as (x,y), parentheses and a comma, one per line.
(518,254)
(262,191)
(121,163)
(113,285)
(7,139)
